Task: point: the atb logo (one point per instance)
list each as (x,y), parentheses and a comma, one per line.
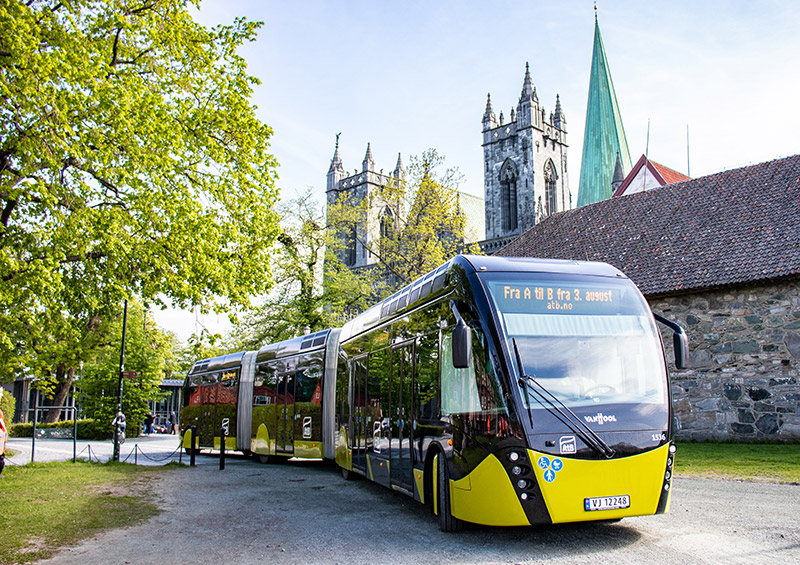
(226,422)
(567,444)
(307,427)
(600,418)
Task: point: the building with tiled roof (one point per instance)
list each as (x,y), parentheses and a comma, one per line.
(647,175)
(721,255)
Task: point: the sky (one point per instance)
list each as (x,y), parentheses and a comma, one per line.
(412,75)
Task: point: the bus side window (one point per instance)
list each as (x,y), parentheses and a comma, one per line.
(459,387)
(472,390)
(427,378)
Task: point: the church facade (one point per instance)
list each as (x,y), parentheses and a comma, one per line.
(525,167)
(361,241)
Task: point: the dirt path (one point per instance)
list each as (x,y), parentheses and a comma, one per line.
(305,513)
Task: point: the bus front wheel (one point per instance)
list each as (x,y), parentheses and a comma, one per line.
(447,522)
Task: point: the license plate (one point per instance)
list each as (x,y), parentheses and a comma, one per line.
(606,503)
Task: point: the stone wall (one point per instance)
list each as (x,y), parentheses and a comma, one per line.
(743,381)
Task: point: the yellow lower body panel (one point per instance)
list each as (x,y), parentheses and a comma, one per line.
(308,449)
(230,443)
(566,483)
(187,439)
(261,444)
(344,455)
(486,496)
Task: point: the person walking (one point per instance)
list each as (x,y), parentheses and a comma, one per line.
(173,424)
(148,423)
(3,438)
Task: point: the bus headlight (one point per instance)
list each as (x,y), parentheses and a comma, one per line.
(516,469)
(522,483)
(513,456)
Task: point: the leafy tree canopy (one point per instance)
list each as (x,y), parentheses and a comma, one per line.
(131,164)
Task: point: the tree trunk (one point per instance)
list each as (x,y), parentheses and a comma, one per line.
(64,380)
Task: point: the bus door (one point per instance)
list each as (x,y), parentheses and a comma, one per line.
(284,437)
(359,412)
(227,401)
(401,414)
(208,401)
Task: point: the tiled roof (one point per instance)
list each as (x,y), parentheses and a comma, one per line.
(663,175)
(735,227)
(670,176)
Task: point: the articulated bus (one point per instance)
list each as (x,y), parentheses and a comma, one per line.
(498,391)
(270,401)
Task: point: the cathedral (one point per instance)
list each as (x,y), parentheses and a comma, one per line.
(525,167)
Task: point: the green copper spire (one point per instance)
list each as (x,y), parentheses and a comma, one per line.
(604,136)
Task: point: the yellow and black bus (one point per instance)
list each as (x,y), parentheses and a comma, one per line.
(510,392)
(498,391)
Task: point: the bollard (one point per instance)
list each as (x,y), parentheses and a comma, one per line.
(191,449)
(222,448)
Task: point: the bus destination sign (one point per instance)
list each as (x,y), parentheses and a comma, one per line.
(554,299)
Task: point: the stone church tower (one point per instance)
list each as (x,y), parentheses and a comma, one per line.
(356,187)
(525,167)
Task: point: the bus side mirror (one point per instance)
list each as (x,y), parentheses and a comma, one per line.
(462,344)
(680,343)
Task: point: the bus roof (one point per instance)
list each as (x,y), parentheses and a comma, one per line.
(485,263)
(217,363)
(293,346)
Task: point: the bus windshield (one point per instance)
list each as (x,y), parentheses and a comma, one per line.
(590,341)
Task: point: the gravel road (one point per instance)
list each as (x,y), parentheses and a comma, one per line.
(300,512)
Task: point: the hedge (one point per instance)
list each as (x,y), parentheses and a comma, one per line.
(87,429)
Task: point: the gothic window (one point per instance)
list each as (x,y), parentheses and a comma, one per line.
(508,196)
(350,246)
(550,177)
(387,230)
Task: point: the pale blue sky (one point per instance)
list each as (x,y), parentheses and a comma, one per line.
(406,76)
(410,75)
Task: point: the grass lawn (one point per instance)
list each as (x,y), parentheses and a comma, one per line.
(48,505)
(740,461)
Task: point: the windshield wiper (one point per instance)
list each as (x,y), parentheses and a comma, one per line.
(559,410)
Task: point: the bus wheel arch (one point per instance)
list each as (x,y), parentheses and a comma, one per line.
(428,478)
(447,522)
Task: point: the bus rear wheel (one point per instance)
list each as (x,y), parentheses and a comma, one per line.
(447,522)
(347,474)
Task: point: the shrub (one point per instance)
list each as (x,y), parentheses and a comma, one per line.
(7,406)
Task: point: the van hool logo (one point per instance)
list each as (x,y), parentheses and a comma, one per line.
(600,418)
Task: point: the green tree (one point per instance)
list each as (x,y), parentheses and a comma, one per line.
(149,352)
(202,346)
(131,165)
(297,300)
